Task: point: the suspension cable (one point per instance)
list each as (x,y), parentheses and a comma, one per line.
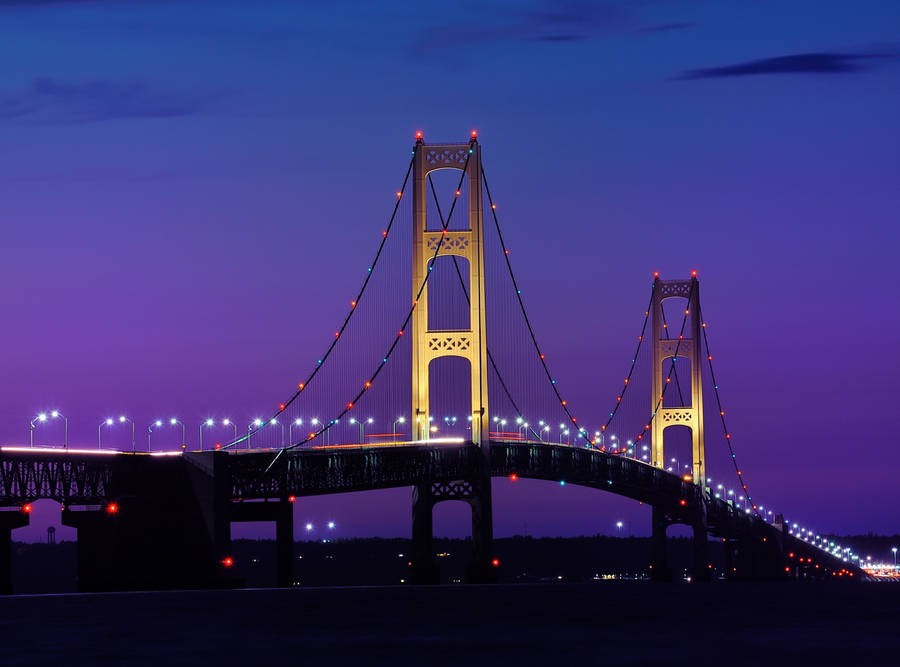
(727,433)
(353,307)
(393,345)
(634,359)
(672,368)
(662,310)
(580,431)
(462,284)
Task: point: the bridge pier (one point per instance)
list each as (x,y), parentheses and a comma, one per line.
(702,568)
(8,522)
(659,560)
(477,493)
(165,525)
(424,568)
(282,513)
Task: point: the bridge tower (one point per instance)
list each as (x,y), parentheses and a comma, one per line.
(667,347)
(664,347)
(430,344)
(471,343)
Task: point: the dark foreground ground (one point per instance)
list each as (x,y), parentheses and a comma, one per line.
(526,624)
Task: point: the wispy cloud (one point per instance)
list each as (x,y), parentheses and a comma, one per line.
(53,101)
(556,21)
(803,63)
(666,27)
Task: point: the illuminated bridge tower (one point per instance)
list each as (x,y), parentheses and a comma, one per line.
(666,347)
(469,343)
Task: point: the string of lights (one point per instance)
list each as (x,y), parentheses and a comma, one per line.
(665,324)
(349,406)
(634,358)
(353,308)
(563,403)
(727,433)
(668,381)
(462,284)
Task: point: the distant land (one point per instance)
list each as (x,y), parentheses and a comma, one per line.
(52,568)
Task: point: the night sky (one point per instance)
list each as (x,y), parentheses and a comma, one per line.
(171,168)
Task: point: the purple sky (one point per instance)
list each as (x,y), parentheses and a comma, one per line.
(170,167)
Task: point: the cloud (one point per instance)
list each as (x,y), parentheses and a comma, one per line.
(666,27)
(49,100)
(803,63)
(556,21)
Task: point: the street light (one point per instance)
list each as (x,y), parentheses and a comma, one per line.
(398,420)
(122,420)
(619,526)
(296,422)
(158,423)
(256,423)
(109,422)
(173,421)
(42,417)
(894,551)
(362,427)
(228,422)
(208,422)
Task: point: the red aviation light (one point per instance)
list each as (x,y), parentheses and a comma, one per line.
(27,508)
(496,562)
(112,508)
(292,498)
(682,502)
(419,135)
(514,477)
(228,561)
(474,134)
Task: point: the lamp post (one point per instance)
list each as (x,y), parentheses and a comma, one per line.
(122,420)
(398,420)
(275,422)
(619,526)
(228,422)
(296,422)
(57,413)
(208,422)
(42,417)
(157,423)
(256,423)
(109,422)
(173,421)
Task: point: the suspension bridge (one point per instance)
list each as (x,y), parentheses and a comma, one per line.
(162,519)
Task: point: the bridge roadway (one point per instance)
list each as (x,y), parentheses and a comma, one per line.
(158,521)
